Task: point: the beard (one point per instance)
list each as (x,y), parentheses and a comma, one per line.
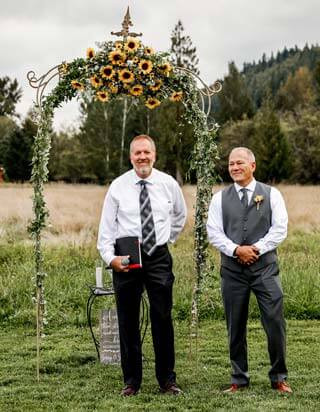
(144,170)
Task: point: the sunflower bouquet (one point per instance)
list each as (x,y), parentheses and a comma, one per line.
(125,68)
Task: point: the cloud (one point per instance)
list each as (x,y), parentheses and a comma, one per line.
(38,34)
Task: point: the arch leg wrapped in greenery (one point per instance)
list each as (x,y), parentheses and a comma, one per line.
(123,69)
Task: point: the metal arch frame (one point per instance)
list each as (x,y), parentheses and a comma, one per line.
(206,92)
(42,82)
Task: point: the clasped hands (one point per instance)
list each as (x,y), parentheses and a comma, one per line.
(247,254)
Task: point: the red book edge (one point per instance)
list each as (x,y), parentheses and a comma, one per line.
(135,266)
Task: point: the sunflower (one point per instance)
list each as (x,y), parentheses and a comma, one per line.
(166,68)
(113,89)
(107,72)
(148,51)
(135,59)
(90,53)
(156,86)
(95,81)
(116,57)
(136,90)
(77,85)
(102,96)
(152,103)
(132,44)
(63,68)
(145,66)
(176,96)
(119,45)
(126,76)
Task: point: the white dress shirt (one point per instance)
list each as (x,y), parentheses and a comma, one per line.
(276,234)
(121,210)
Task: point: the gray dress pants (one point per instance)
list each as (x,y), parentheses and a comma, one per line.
(236,288)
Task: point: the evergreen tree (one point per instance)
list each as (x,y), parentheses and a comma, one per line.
(297,92)
(316,77)
(183,53)
(270,146)
(234,100)
(67,159)
(303,130)
(7,127)
(18,154)
(10,94)
(105,136)
(175,140)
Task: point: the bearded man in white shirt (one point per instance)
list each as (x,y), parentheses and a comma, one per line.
(149,204)
(246,223)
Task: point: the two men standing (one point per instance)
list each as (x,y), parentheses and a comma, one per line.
(246,223)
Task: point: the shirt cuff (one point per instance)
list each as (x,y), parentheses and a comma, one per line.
(260,246)
(230,249)
(111,259)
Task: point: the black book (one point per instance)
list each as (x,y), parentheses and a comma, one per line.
(129,245)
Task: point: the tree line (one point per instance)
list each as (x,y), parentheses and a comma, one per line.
(271,106)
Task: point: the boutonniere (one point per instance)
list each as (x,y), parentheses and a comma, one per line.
(258,200)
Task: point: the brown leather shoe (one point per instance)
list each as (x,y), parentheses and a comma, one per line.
(235,387)
(129,390)
(281,386)
(171,389)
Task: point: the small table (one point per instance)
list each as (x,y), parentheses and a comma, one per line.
(95,293)
(98,292)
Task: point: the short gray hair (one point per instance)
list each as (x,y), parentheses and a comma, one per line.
(248,152)
(140,137)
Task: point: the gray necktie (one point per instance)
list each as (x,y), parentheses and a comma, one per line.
(147,223)
(244,199)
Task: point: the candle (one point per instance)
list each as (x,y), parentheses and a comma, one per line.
(99,282)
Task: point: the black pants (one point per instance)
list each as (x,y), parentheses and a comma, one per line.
(157,277)
(236,288)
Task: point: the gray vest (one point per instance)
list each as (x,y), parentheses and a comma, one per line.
(246,226)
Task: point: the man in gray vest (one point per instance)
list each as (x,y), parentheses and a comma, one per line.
(246,223)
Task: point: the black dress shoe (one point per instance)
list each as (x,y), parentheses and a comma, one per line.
(129,390)
(171,389)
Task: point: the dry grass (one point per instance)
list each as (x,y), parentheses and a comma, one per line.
(75,210)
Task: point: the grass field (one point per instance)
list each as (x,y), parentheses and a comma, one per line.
(72,379)
(75,210)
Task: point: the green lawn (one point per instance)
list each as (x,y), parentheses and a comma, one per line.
(73,380)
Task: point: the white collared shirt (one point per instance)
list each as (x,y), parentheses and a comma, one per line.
(121,210)
(276,234)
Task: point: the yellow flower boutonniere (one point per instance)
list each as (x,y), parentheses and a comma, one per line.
(258,200)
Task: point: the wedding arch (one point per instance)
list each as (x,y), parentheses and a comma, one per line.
(124,68)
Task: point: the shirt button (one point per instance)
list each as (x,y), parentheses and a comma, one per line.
(245,219)
(245,229)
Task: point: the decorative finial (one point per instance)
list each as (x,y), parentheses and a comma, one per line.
(125,28)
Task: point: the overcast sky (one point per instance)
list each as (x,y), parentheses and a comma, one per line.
(38,34)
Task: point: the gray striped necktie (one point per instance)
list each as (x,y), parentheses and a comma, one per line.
(244,199)
(147,224)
